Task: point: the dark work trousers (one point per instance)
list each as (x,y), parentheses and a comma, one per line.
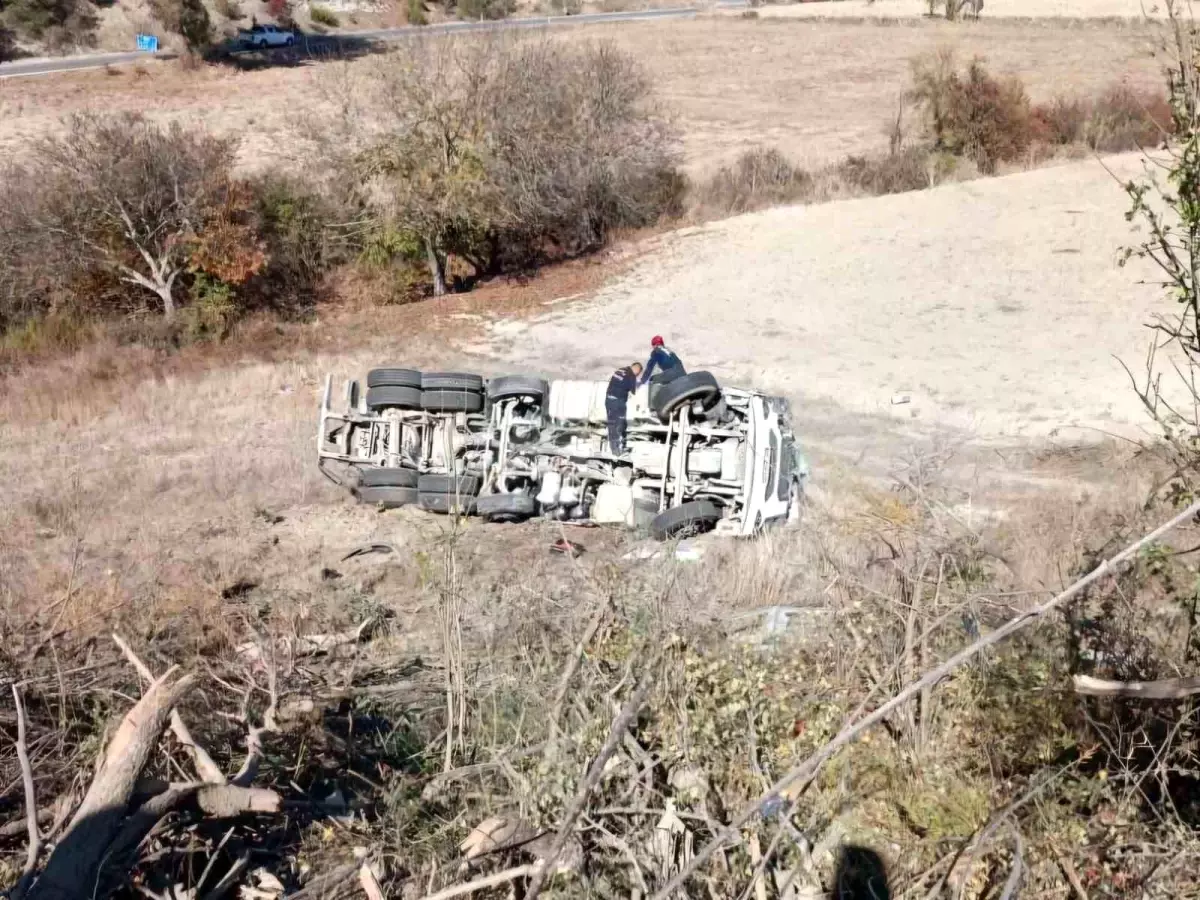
(615,410)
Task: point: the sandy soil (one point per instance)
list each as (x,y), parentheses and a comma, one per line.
(997,306)
(817,90)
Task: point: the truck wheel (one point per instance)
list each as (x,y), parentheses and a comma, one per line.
(388,396)
(451,401)
(451,381)
(508,387)
(687,518)
(382,476)
(460,485)
(683,390)
(409,378)
(506,507)
(446,504)
(386,497)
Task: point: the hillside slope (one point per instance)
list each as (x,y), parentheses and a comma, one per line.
(998,305)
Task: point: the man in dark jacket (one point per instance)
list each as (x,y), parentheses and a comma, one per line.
(624,382)
(661,358)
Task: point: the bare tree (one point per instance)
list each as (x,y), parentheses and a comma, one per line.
(122,194)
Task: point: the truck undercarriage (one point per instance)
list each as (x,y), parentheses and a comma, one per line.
(699,456)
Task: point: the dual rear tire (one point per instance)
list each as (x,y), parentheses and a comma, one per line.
(387,488)
(409,389)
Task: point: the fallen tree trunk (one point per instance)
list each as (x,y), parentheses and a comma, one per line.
(121,808)
(72,868)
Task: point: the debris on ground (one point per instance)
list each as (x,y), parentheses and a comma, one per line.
(369,548)
(567,548)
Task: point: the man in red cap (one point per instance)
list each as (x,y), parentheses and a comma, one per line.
(668,364)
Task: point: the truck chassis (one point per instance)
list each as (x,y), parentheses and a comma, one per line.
(699,456)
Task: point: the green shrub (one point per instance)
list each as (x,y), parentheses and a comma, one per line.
(323,15)
(416,13)
(294,225)
(212,311)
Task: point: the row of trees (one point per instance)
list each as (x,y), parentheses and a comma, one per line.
(465,159)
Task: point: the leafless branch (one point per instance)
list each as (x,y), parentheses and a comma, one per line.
(31,815)
(805,771)
(480,884)
(615,734)
(208,770)
(1166,689)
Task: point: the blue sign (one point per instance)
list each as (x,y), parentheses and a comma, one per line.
(147,42)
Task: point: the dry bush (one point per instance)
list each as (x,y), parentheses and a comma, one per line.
(121,195)
(1062,121)
(1123,119)
(323,15)
(759,178)
(8,43)
(874,601)
(503,153)
(908,169)
(59,24)
(972,113)
(484,10)
(231,10)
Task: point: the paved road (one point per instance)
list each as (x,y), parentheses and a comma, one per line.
(331,42)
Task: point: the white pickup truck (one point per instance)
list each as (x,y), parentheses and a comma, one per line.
(260,37)
(699,456)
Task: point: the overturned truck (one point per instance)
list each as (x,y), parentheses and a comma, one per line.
(699,456)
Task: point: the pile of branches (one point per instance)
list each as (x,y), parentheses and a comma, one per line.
(201,834)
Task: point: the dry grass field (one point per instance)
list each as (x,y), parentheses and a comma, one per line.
(817,90)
